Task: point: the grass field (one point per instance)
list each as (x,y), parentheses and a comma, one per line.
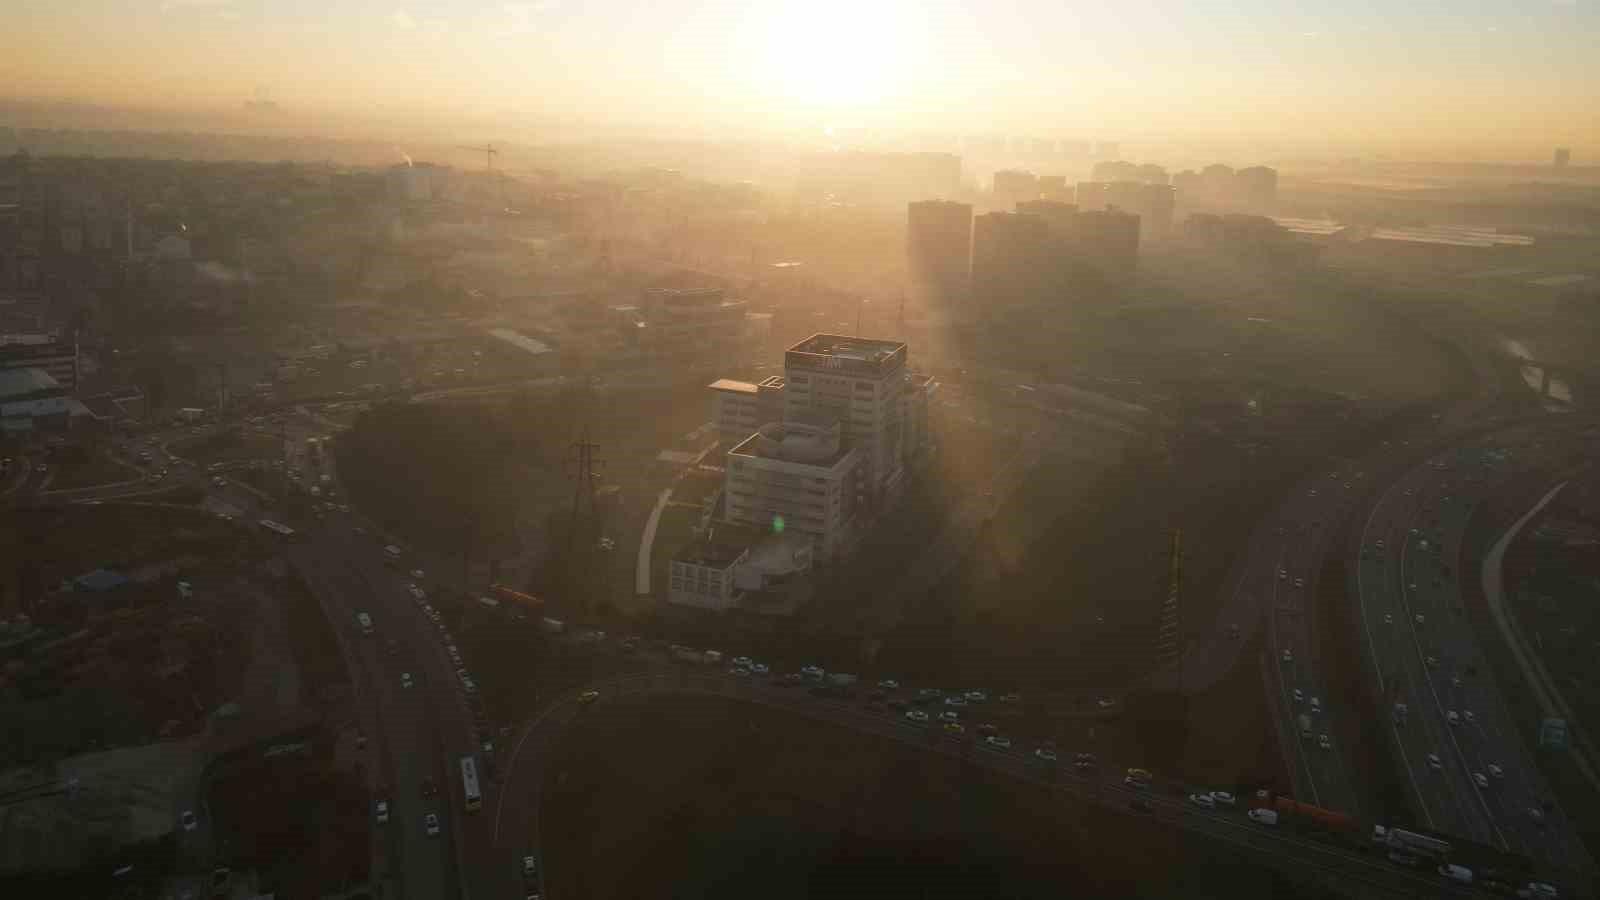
(701,797)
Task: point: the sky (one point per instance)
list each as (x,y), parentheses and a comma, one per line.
(1450,71)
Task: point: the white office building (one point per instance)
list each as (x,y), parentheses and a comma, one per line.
(860,382)
(795,477)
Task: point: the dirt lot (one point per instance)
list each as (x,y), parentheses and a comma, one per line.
(707,798)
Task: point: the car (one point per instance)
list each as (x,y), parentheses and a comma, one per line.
(743,662)
(1316,705)
(1433,762)
(1480,780)
(220,878)
(430,824)
(916,715)
(1431,662)
(889,684)
(1539,890)
(383,812)
(1468,717)
(418,574)
(813,672)
(760,669)
(1135,783)
(1263,816)
(1388,619)
(1138,774)
(977,697)
(1223,798)
(1495,771)
(1323,742)
(1299,696)
(1455,681)
(739,672)
(1089,759)
(468,685)
(1282,575)
(588,697)
(1045,753)
(41,468)
(949,715)
(188,821)
(1418,617)
(1203,801)
(1536,814)
(1451,717)
(1105,703)
(929,693)
(955,700)
(997,742)
(1299,582)
(405,679)
(954,728)
(1288,655)
(530,867)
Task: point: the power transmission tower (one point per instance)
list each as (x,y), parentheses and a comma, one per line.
(583,533)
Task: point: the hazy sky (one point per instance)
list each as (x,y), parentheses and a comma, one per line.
(1463,71)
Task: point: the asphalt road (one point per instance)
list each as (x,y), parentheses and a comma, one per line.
(516,822)
(1427,658)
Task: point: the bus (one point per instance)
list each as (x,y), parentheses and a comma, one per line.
(469,784)
(277,527)
(365,621)
(1411,843)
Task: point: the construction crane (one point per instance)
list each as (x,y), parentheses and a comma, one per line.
(489,153)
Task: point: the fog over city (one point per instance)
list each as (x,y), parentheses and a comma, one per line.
(703,449)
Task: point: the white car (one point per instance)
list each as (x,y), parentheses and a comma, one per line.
(418,574)
(1105,703)
(1388,619)
(383,811)
(949,715)
(1223,798)
(1316,705)
(815,672)
(760,669)
(917,715)
(1299,582)
(431,824)
(1469,717)
(1323,742)
(743,662)
(1455,681)
(889,684)
(1299,696)
(1495,771)
(1431,662)
(530,867)
(405,679)
(1045,753)
(996,742)
(955,700)
(1452,718)
(1433,762)
(189,822)
(977,697)
(1479,779)
(1418,618)
(1263,816)
(1288,655)
(1203,801)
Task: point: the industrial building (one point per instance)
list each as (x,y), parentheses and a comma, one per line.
(798,475)
(55,357)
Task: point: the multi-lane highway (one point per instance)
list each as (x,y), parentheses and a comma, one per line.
(1468,767)
(1351,868)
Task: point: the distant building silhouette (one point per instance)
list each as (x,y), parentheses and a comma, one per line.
(1055,187)
(1012,186)
(1009,258)
(1563,157)
(939,250)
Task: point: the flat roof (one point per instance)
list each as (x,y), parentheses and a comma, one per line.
(17,382)
(711,552)
(750,447)
(729,384)
(521,341)
(1452,236)
(1309,227)
(846,346)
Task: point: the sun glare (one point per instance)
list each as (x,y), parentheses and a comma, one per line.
(833,54)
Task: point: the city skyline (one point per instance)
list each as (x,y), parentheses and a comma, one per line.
(1434,75)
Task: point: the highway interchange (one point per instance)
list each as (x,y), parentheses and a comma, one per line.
(418,733)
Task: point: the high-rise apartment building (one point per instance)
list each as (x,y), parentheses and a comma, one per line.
(1012,187)
(1256,187)
(1108,240)
(939,250)
(1009,254)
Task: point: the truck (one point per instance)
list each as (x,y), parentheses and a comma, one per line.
(1290,808)
(1412,843)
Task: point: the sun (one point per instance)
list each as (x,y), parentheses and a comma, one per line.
(832,54)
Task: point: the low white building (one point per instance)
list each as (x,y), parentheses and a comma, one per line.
(797,476)
(701,575)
